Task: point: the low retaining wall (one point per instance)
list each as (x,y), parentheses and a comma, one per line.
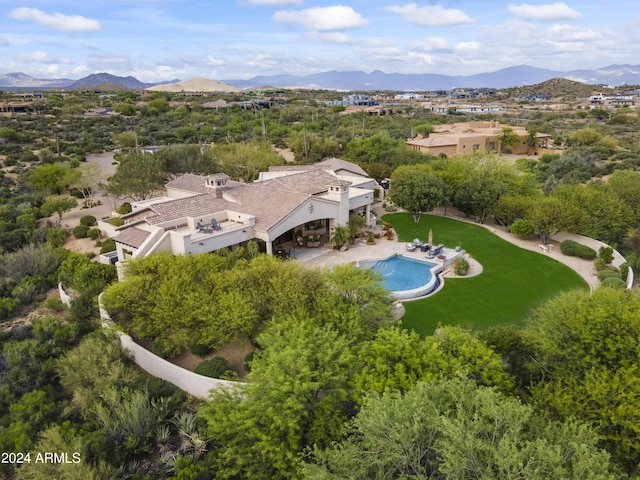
(193,383)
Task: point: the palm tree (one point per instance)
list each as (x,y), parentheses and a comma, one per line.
(340,236)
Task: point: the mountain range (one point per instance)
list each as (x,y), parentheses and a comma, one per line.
(614,75)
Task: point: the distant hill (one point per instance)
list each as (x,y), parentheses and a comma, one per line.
(95,79)
(559,88)
(19,79)
(517,76)
(195,85)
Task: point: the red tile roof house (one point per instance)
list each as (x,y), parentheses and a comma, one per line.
(283,201)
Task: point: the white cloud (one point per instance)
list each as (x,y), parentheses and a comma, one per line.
(40,57)
(338,17)
(467,46)
(567,33)
(214,62)
(331,37)
(3,41)
(435,16)
(57,21)
(433,44)
(276,3)
(550,11)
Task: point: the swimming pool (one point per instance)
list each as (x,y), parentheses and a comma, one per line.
(406,277)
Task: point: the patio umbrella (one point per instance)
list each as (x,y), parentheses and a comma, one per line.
(430,241)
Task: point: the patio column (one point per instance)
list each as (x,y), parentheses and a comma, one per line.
(368,214)
(269,247)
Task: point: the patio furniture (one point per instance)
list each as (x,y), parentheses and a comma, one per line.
(411,247)
(438,250)
(424,247)
(215,225)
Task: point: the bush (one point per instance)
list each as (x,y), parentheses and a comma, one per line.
(624,270)
(247,361)
(215,367)
(614,282)
(164,348)
(7,305)
(56,236)
(604,274)
(108,245)
(87,220)
(80,231)
(200,349)
(575,249)
(568,247)
(585,252)
(523,228)
(94,233)
(54,303)
(606,254)
(124,208)
(460,266)
(116,222)
(599,264)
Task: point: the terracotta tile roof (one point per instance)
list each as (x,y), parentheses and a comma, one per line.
(132,237)
(188,182)
(439,141)
(329,164)
(196,206)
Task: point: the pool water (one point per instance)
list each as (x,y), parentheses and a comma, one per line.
(406,277)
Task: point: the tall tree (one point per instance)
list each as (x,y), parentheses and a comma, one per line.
(507,138)
(139,176)
(417,189)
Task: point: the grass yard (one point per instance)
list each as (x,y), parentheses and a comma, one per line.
(514,281)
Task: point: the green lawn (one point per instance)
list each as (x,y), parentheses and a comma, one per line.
(513,282)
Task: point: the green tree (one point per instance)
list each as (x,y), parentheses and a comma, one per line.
(586,346)
(58,205)
(453,429)
(139,176)
(417,189)
(295,399)
(49,178)
(507,138)
(551,215)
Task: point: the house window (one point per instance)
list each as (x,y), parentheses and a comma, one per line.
(476,146)
(127,254)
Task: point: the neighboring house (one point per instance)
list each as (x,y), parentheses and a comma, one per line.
(459,138)
(409,96)
(202,214)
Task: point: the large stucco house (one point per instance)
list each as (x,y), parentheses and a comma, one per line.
(468,137)
(286,205)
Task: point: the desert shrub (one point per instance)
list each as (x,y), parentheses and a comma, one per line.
(87,220)
(124,208)
(604,274)
(599,264)
(568,247)
(7,305)
(56,236)
(460,266)
(247,361)
(164,348)
(606,254)
(108,245)
(624,270)
(54,303)
(200,349)
(523,228)
(614,282)
(90,255)
(116,222)
(94,233)
(80,231)
(215,367)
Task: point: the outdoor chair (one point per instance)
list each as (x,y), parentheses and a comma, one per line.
(215,225)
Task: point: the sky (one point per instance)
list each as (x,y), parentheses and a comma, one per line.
(159,40)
